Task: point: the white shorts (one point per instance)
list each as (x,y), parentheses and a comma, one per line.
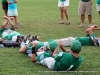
(14,38)
(66,41)
(98,7)
(62,4)
(48,62)
(12,12)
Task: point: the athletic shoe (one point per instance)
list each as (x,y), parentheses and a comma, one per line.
(89,25)
(61,22)
(68,23)
(95,42)
(81,25)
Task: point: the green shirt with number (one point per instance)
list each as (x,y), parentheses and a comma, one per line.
(66,61)
(43,56)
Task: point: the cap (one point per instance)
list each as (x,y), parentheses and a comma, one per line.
(53,44)
(76,46)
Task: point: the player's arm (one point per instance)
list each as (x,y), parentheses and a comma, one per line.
(9,20)
(91,29)
(16,1)
(62,48)
(57,49)
(9,2)
(4,24)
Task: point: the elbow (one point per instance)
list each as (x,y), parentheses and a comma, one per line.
(21,51)
(33,60)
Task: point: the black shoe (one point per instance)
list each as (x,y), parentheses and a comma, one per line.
(22,39)
(33,38)
(94,41)
(28,37)
(18,41)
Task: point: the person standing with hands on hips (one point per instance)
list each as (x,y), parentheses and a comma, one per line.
(63,4)
(12,10)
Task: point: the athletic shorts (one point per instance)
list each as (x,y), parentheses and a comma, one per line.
(85,7)
(98,7)
(48,62)
(12,12)
(62,4)
(4,5)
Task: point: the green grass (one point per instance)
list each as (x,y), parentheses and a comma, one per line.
(41,17)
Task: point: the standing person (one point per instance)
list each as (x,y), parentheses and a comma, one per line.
(5,6)
(12,10)
(63,4)
(98,6)
(85,6)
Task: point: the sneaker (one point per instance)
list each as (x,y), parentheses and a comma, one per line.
(34,37)
(81,25)
(22,39)
(68,23)
(28,36)
(89,25)
(61,22)
(94,41)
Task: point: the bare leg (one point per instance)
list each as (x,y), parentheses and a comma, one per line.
(89,18)
(62,14)
(82,21)
(16,22)
(82,18)
(66,13)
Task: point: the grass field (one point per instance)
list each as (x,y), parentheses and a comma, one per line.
(41,17)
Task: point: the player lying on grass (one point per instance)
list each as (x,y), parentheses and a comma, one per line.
(61,61)
(43,53)
(40,47)
(87,40)
(10,37)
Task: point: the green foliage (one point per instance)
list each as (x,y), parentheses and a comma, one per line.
(42,17)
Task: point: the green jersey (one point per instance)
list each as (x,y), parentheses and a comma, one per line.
(62,0)
(4,0)
(9,36)
(1,31)
(43,56)
(85,0)
(85,40)
(66,61)
(98,1)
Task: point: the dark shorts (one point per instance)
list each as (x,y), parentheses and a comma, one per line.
(4,5)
